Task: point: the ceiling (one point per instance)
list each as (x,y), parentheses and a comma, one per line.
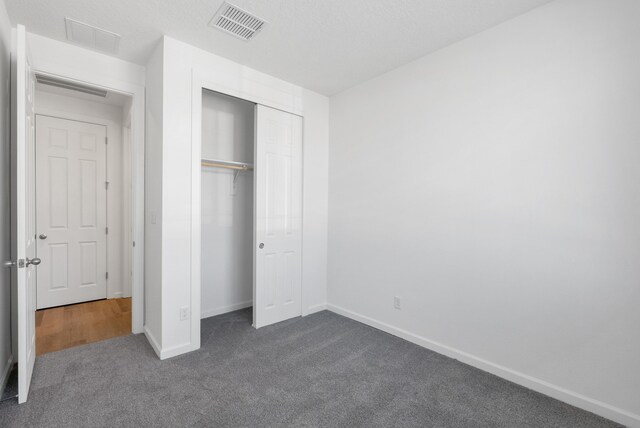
(323,45)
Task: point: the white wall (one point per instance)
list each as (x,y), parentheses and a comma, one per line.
(71,61)
(227,208)
(494,187)
(69,107)
(5,196)
(153,201)
(179,283)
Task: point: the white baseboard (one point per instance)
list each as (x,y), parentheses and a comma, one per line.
(315,308)
(224,309)
(163,354)
(4,375)
(594,406)
(153,342)
(174,351)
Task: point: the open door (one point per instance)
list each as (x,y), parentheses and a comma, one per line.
(278,217)
(23,244)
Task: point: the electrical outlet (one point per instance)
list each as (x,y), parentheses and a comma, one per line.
(184,313)
(396,302)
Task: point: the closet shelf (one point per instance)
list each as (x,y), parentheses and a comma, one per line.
(239,166)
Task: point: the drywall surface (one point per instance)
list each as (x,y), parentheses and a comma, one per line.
(179,283)
(153,201)
(68,107)
(493,187)
(227,205)
(71,61)
(5,195)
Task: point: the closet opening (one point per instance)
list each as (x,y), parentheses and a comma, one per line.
(247,187)
(227,204)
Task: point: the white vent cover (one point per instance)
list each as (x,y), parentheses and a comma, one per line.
(92,37)
(237,22)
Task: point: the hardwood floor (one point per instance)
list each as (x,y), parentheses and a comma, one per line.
(82,323)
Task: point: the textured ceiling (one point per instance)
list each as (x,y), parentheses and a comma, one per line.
(323,45)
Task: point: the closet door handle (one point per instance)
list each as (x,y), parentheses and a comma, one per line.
(261,246)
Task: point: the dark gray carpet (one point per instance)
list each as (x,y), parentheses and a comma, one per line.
(11,390)
(321,370)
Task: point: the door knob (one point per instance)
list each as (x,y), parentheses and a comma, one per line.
(34,261)
(261,246)
(42,236)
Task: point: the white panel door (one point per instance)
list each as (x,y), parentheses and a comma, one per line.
(23,244)
(278,217)
(71,211)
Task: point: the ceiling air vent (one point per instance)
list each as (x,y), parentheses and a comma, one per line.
(68,84)
(92,37)
(235,21)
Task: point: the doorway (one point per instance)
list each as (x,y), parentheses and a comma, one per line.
(82,229)
(86,80)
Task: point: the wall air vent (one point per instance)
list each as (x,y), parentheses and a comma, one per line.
(235,21)
(67,84)
(92,37)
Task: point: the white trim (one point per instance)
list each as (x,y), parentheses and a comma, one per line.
(599,408)
(4,378)
(137,92)
(204,79)
(315,308)
(153,342)
(225,309)
(163,354)
(196,210)
(174,351)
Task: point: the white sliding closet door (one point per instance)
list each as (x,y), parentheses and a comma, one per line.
(278,217)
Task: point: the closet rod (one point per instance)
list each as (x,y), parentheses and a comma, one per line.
(242,166)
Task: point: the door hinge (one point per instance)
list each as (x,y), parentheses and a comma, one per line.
(106,140)
(134,243)
(106,275)
(106,230)
(106,185)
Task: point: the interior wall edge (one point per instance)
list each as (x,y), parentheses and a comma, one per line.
(573,398)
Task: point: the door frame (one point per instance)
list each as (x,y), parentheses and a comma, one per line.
(137,94)
(223,83)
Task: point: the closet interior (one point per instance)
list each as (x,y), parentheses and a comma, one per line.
(228,126)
